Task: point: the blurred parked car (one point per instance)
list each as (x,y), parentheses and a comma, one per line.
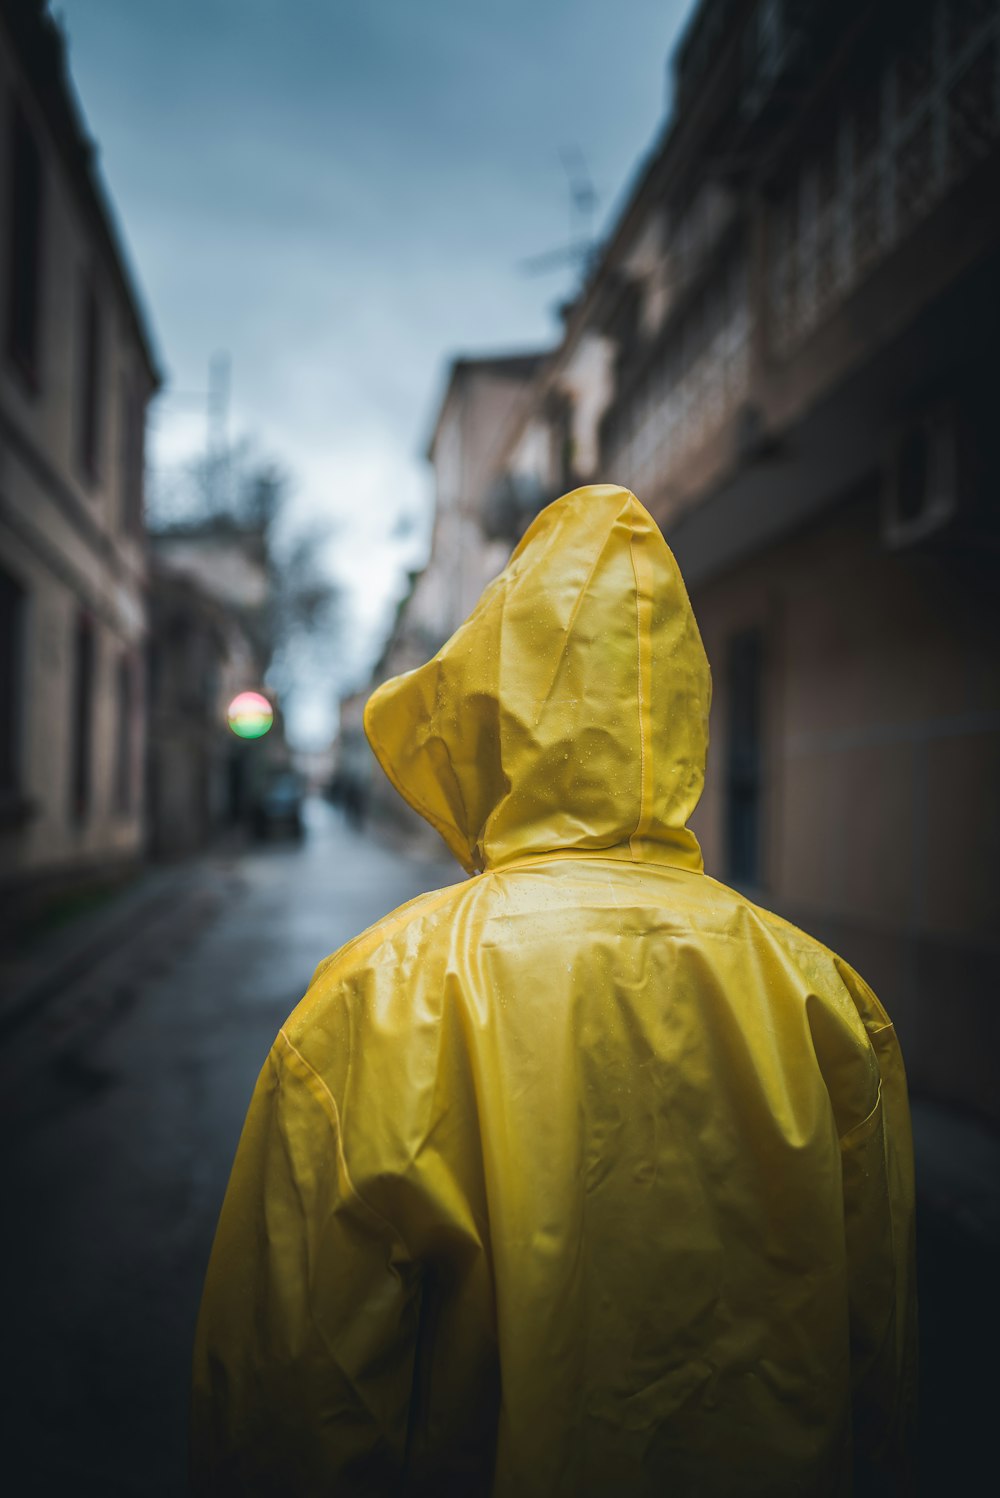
(278,806)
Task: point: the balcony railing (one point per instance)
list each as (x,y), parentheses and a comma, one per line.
(896,146)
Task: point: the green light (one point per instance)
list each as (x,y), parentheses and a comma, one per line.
(250,715)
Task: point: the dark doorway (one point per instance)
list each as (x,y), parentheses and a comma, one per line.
(744,759)
(11,684)
(83,717)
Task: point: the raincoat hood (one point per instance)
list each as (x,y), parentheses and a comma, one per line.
(570,710)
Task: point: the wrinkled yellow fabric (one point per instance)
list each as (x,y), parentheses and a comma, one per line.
(585,1176)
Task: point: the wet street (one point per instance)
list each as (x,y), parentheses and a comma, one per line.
(123,1092)
(122,1106)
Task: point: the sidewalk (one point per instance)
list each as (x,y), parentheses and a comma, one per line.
(52,960)
(958,1171)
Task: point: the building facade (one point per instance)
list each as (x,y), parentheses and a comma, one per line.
(209,601)
(469,546)
(198,773)
(786,348)
(76,374)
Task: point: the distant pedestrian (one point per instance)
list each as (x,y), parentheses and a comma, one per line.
(586,1176)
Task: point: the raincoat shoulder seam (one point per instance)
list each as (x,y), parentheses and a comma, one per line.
(796,943)
(385,928)
(321,1082)
(778,925)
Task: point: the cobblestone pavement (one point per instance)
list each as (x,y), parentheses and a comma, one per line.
(121,1100)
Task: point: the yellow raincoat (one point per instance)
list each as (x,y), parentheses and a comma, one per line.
(584,1176)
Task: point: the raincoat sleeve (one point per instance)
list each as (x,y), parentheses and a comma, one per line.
(877,1173)
(304,1350)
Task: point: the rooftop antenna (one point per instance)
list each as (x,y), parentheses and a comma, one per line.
(214,401)
(582,209)
(217,428)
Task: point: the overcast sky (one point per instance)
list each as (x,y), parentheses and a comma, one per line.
(339,193)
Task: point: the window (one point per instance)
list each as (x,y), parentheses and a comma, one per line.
(83,715)
(560,414)
(911,125)
(133,459)
(24,249)
(921,492)
(744,758)
(12,601)
(90,379)
(766,45)
(769,38)
(129,459)
(124,709)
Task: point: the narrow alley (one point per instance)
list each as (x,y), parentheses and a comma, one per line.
(123,1094)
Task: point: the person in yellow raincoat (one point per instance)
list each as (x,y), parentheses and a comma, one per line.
(585,1176)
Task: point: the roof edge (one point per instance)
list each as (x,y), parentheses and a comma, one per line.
(40,49)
